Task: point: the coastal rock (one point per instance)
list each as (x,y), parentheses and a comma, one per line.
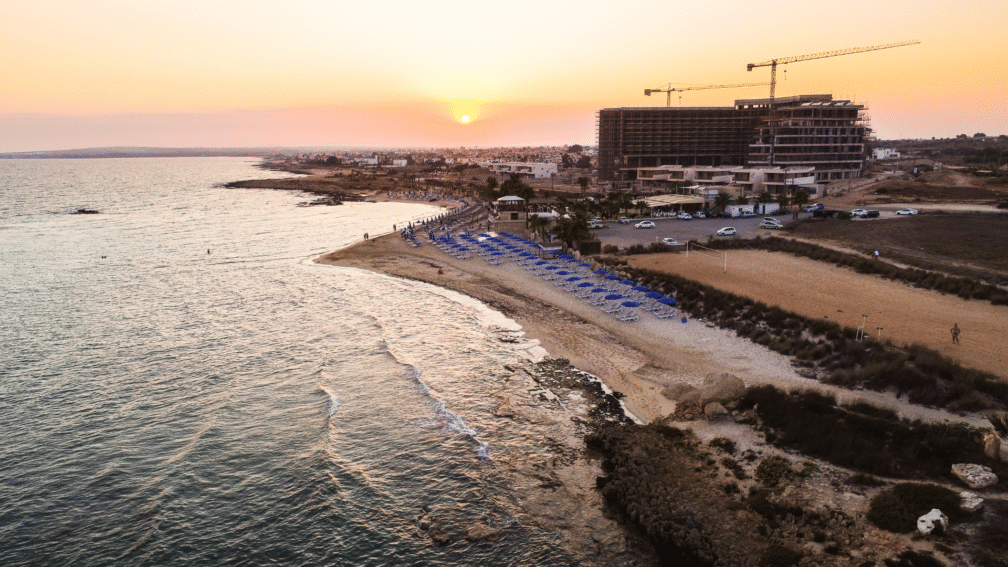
(480,532)
(714,411)
(975,476)
(992,445)
(720,388)
(970,502)
(677,391)
(932,520)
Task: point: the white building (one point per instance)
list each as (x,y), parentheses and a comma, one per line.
(399,162)
(885,153)
(524,169)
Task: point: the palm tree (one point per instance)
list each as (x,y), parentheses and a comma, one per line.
(538,225)
(583,182)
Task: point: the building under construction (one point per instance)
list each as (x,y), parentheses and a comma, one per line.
(799,131)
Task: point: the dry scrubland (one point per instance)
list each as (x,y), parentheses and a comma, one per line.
(821,291)
(969,245)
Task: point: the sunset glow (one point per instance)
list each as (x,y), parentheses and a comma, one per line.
(322,73)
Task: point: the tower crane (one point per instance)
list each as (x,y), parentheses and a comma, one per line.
(669,89)
(784,60)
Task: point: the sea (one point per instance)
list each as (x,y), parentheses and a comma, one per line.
(181,385)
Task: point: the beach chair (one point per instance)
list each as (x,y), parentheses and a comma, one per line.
(628,316)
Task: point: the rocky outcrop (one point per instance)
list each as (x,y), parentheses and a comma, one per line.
(721,388)
(992,446)
(932,521)
(975,476)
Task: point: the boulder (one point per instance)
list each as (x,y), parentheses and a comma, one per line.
(677,391)
(970,502)
(714,411)
(992,445)
(975,476)
(931,521)
(722,388)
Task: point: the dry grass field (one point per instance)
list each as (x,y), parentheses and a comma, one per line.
(814,289)
(964,244)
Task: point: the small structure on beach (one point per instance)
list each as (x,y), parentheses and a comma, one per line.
(512,215)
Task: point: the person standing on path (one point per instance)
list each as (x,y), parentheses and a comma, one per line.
(955,333)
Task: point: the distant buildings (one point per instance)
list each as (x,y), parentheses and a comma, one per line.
(523,169)
(806,131)
(885,153)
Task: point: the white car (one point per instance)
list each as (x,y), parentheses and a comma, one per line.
(726,231)
(906,212)
(670,241)
(644,224)
(684,216)
(814,207)
(770,224)
(859,213)
(624,220)
(701,215)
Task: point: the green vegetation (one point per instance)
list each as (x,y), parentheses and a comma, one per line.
(897,508)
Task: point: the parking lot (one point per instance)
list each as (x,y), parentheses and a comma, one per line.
(624,235)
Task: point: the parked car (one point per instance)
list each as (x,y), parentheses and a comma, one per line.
(624,220)
(872,214)
(596,224)
(814,207)
(644,224)
(670,241)
(684,216)
(700,215)
(747,214)
(770,224)
(726,231)
(906,212)
(859,213)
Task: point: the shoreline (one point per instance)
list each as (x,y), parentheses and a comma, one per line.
(638,360)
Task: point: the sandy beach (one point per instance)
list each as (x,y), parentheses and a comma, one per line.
(638,359)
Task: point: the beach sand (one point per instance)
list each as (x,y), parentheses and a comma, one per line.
(638,359)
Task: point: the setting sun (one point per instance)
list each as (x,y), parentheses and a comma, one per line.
(465,119)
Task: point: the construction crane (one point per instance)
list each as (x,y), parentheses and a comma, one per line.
(784,60)
(669,89)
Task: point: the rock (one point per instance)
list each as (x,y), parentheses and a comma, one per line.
(480,532)
(934,519)
(970,502)
(975,476)
(677,391)
(425,522)
(722,388)
(992,445)
(714,411)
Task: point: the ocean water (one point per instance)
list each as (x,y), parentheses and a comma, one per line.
(179,384)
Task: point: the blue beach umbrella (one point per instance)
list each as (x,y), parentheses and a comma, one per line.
(666,301)
(552,268)
(541,262)
(585,284)
(612,277)
(599,290)
(584,265)
(627,282)
(600,272)
(653,294)
(639,288)
(614,296)
(572,279)
(563,273)
(565,256)
(630,304)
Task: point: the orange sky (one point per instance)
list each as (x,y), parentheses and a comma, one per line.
(255,73)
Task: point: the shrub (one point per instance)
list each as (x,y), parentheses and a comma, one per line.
(736,469)
(610,249)
(723,443)
(896,509)
(774,470)
(778,555)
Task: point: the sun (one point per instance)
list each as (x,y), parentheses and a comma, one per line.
(464,119)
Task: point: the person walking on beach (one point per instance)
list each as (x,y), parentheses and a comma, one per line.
(955,334)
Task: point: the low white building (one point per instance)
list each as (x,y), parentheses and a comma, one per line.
(885,153)
(529,170)
(399,162)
